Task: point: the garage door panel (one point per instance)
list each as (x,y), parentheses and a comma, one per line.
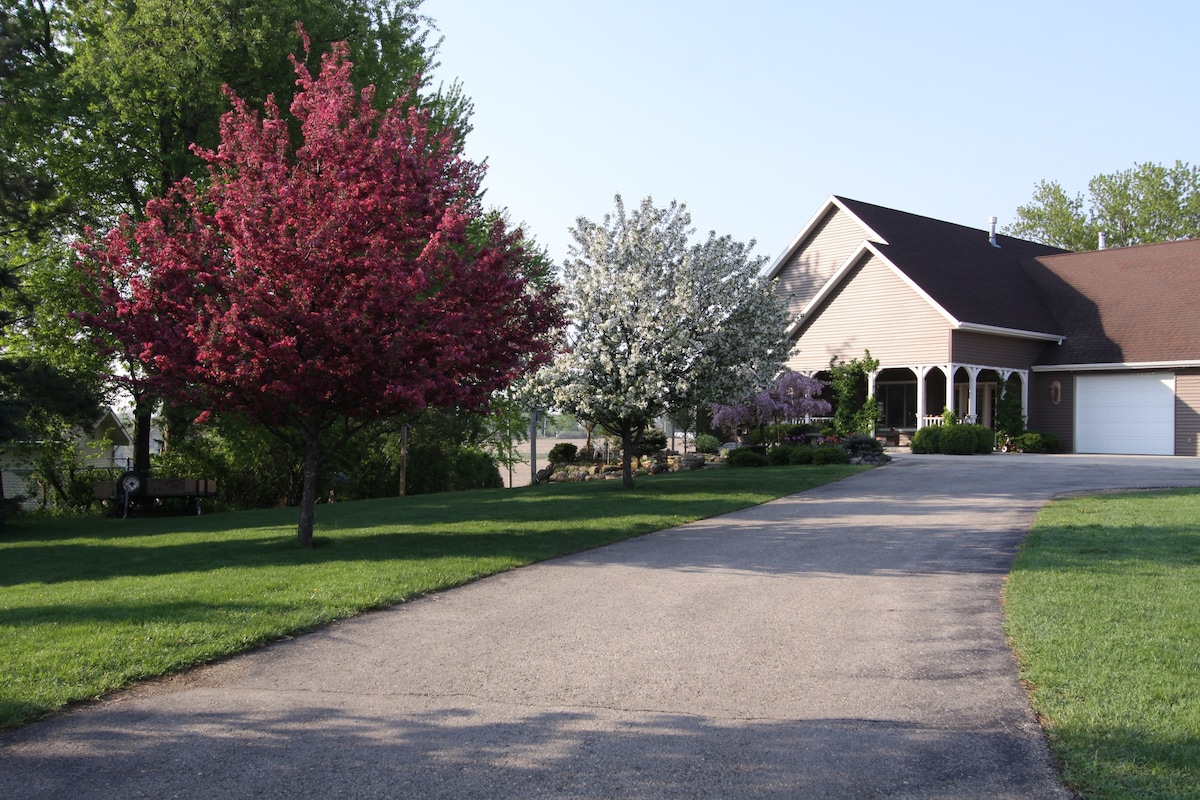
(1127,414)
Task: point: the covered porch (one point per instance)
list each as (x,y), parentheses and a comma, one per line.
(911,397)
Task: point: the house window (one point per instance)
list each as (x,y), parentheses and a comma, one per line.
(898,404)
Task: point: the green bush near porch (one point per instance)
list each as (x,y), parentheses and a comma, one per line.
(960,440)
(954,440)
(927,440)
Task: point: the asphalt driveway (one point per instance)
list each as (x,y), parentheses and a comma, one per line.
(841,643)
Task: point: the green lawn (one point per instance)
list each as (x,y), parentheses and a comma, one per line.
(89,605)
(1103,609)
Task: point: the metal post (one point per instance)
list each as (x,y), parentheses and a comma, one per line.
(533,426)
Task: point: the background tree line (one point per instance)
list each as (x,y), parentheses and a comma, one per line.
(1141,205)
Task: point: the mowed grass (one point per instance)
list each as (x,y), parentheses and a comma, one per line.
(90,605)
(1103,607)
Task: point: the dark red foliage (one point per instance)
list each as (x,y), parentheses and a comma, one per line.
(334,279)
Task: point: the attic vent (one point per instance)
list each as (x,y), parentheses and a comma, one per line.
(992,232)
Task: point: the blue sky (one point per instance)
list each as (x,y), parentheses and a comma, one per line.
(753,113)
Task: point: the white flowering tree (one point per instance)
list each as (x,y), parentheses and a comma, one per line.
(657,324)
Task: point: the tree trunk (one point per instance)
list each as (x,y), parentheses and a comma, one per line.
(142,420)
(404,460)
(627,447)
(308,495)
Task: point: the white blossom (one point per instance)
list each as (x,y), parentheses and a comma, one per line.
(658,324)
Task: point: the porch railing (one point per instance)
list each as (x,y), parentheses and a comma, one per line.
(936,419)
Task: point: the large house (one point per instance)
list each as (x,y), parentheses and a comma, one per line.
(1103,347)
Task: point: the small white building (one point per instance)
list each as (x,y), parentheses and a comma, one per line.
(105,445)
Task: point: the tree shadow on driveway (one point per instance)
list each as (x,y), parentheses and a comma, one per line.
(501,752)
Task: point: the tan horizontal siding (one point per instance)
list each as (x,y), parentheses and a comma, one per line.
(874,310)
(1187,413)
(834,240)
(971,347)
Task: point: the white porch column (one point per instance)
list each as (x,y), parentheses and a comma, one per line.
(921,409)
(972,394)
(951,399)
(871,376)
(1024,373)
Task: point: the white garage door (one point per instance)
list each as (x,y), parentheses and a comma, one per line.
(1133,414)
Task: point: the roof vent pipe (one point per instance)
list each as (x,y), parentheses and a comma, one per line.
(1103,240)
(992,232)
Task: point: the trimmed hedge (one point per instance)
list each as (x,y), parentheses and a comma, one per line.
(954,440)
(927,440)
(780,455)
(801,455)
(831,454)
(745,457)
(1034,442)
(563,453)
(985,439)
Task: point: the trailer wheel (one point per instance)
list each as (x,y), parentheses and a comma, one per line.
(131,484)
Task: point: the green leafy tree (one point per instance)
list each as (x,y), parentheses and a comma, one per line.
(101,102)
(149,76)
(1010,421)
(31,68)
(39,400)
(854,410)
(1148,203)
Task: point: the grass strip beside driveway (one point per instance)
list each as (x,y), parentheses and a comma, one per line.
(90,605)
(1103,609)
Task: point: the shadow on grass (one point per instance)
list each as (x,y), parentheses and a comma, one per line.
(135,612)
(1098,535)
(83,562)
(527,525)
(472,752)
(1098,760)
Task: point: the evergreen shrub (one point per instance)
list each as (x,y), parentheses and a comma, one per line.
(779,455)
(959,440)
(1034,442)
(563,453)
(985,439)
(745,457)
(861,445)
(927,440)
(474,469)
(801,455)
(831,454)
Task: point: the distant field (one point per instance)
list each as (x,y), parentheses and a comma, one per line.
(90,605)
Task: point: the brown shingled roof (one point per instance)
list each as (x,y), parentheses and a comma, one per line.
(961,271)
(1124,305)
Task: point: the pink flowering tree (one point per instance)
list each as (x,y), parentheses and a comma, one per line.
(328,274)
(792,397)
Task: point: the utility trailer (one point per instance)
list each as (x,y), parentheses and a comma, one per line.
(133,488)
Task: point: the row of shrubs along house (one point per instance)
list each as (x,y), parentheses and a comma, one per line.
(1103,347)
